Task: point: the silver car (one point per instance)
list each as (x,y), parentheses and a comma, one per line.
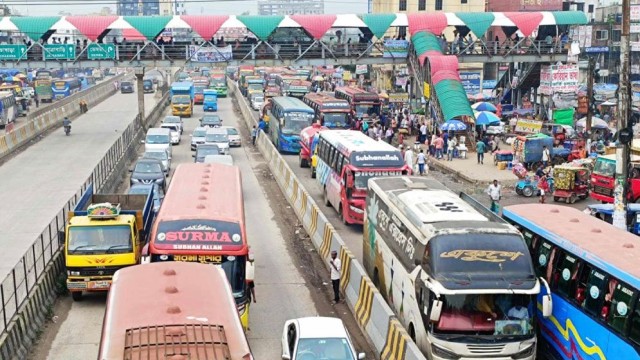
(234,136)
(217,136)
(161,155)
(172,119)
(175,132)
(197,137)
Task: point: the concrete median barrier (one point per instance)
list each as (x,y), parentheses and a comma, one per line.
(374,317)
(50,117)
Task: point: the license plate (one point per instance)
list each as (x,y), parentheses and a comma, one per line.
(99,284)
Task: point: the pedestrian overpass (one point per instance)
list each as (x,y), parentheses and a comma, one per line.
(268,40)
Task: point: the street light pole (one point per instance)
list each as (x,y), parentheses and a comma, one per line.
(624,102)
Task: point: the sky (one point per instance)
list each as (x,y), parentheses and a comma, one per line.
(234,7)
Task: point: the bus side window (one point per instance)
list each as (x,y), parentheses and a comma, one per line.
(340,163)
(541,258)
(619,309)
(609,290)
(594,292)
(634,324)
(566,274)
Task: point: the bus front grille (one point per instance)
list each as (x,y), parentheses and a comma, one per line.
(493,349)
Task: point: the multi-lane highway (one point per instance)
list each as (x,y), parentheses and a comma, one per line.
(283,287)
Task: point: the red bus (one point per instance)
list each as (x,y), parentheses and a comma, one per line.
(162,310)
(363,103)
(331,112)
(308,140)
(202,220)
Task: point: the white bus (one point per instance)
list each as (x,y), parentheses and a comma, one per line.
(346,160)
(8,108)
(459,278)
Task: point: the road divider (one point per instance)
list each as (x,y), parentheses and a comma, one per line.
(374,317)
(50,117)
(28,292)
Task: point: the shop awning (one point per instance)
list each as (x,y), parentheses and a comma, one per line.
(149,26)
(378,23)
(453,99)
(205,25)
(315,25)
(261,26)
(34,26)
(91,26)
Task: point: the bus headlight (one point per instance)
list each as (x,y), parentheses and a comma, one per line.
(443,353)
(164,257)
(356,210)
(526,353)
(73,273)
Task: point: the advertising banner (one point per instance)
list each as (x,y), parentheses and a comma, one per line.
(398,97)
(210,54)
(396,48)
(528,126)
(471,81)
(559,79)
(361,69)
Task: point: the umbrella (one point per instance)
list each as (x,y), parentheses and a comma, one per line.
(484,106)
(596,123)
(486,118)
(453,125)
(318,78)
(608,103)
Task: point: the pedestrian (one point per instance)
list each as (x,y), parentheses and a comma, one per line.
(481,147)
(439,145)
(423,133)
(262,124)
(451,148)
(249,275)
(336,266)
(546,156)
(408,158)
(36,98)
(389,135)
(254,134)
(421,160)
(495,195)
(543,188)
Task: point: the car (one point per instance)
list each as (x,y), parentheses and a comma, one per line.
(218,136)
(158,139)
(148,171)
(496,128)
(172,119)
(197,137)
(147,86)
(302,338)
(162,155)
(234,136)
(211,121)
(205,149)
(219,159)
(175,132)
(126,87)
(257,101)
(143,189)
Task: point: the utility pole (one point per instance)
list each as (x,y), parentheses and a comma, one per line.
(624,104)
(592,66)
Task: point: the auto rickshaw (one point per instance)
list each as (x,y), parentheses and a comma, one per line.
(571,183)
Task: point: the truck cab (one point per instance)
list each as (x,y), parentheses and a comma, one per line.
(104,233)
(210,102)
(182,98)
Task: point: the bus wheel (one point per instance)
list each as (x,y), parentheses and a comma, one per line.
(303,162)
(326,198)
(341,214)
(313,172)
(412,332)
(76,295)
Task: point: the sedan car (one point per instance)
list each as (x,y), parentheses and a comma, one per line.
(177,120)
(197,137)
(205,149)
(126,87)
(211,121)
(175,132)
(159,154)
(317,338)
(143,189)
(218,137)
(234,136)
(148,171)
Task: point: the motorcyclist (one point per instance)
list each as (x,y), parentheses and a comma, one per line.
(66,123)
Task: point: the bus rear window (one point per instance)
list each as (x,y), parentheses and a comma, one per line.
(60,85)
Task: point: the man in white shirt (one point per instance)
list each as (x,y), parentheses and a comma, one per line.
(495,193)
(335,265)
(408,157)
(546,156)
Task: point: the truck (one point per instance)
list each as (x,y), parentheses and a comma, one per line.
(200,83)
(210,102)
(104,233)
(603,179)
(182,97)
(219,84)
(254,84)
(43,88)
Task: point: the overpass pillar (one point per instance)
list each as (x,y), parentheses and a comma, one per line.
(139,72)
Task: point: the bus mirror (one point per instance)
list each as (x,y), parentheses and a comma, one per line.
(436,310)
(547,305)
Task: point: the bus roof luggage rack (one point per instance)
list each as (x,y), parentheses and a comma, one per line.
(166,342)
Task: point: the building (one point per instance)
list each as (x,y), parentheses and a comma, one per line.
(166,7)
(290,7)
(411,6)
(138,7)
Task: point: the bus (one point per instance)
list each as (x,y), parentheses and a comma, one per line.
(200,83)
(457,276)
(592,268)
(8,108)
(346,160)
(63,88)
(329,111)
(287,117)
(363,103)
(172,310)
(298,88)
(184,231)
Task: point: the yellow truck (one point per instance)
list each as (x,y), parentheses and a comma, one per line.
(103,234)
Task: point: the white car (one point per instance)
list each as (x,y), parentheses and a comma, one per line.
(172,119)
(303,338)
(495,129)
(218,136)
(175,132)
(197,137)
(162,155)
(257,102)
(234,136)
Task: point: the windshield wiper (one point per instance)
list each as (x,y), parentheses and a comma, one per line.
(110,248)
(80,247)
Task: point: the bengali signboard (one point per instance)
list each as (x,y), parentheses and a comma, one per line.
(101,51)
(398,97)
(210,54)
(59,51)
(396,48)
(635,13)
(361,69)
(13,52)
(471,81)
(559,79)
(528,126)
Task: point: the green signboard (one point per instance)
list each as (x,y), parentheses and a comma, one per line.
(101,51)
(59,51)
(13,52)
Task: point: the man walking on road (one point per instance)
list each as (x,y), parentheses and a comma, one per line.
(336,266)
(495,194)
(480,149)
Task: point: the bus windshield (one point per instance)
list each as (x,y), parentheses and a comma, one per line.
(99,240)
(366,109)
(335,119)
(181,99)
(296,122)
(234,268)
(507,315)
(362,177)
(61,85)
(605,167)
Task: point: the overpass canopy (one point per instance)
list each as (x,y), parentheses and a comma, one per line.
(206,26)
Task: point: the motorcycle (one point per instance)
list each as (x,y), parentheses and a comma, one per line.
(67,130)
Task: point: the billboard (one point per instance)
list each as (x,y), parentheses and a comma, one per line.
(471,81)
(559,79)
(210,54)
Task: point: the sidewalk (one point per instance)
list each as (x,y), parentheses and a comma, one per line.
(469,170)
